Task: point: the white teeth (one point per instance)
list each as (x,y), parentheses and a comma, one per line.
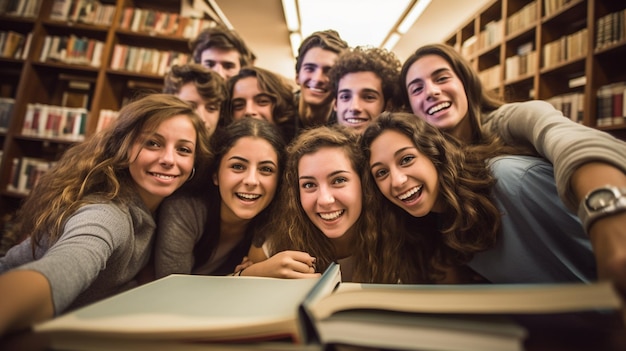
(317,90)
(355,120)
(248,196)
(332,215)
(438,107)
(163,176)
(410,193)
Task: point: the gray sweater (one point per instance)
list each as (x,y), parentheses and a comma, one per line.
(101,250)
(566,144)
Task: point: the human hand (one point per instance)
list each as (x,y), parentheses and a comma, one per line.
(285,264)
(245,263)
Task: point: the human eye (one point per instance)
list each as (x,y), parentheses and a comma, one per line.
(307,185)
(344,97)
(263,100)
(340,180)
(209,63)
(228,65)
(443,77)
(379,173)
(308,68)
(407,159)
(238,105)
(211,107)
(237,166)
(371,97)
(415,89)
(267,170)
(152,143)
(185,150)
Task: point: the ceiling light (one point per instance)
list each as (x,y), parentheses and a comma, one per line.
(291,15)
(295,39)
(412,16)
(391,41)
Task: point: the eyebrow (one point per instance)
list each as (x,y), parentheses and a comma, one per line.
(332,174)
(242,159)
(148,135)
(399,151)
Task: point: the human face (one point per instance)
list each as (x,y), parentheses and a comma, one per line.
(359,99)
(330,191)
(163,161)
(247,178)
(208,111)
(403,174)
(223,61)
(436,94)
(249,101)
(313,76)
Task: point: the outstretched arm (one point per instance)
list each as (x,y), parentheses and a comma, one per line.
(608,234)
(26,299)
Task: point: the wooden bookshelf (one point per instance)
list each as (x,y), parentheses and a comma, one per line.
(553,50)
(77,73)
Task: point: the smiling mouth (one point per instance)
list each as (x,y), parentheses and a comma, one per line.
(317,90)
(444,105)
(412,194)
(248,197)
(162,176)
(329,216)
(356,120)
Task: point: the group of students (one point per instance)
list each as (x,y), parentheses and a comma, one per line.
(402,173)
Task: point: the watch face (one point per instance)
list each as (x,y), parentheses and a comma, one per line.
(600,199)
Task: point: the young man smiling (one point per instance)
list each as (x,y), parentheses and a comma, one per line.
(316,55)
(364,82)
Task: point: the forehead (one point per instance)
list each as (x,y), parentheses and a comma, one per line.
(253,147)
(427,65)
(219,54)
(246,86)
(361,80)
(325,160)
(319,57)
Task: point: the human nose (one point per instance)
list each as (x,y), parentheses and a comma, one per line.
(166,158)
(325,196)
(203,113)
(250,109)
(355,104)
(251,179)
(432,90)
(220,70)
(397,178)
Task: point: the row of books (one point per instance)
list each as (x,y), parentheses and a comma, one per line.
(6,111)
(490,77)
(49,121)
(611,29)
(571,104)
(146,60)
(566,48)
(520,65)
(14,45)
(106,118)
(84,11)
(20,8)
(72,50)
(523,18)
(491,35)
(552,6)
(611,104)
(164,23)
(26,172)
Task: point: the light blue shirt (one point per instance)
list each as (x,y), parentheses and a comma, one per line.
(540,240)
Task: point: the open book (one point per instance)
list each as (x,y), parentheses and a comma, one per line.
(325,311)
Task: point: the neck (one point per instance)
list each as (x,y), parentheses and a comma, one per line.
(314,115)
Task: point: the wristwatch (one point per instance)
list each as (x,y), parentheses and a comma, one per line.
(601,202)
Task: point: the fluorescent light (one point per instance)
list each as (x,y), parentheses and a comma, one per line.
(391,41)
(295,39)
(412,16)
(291,15)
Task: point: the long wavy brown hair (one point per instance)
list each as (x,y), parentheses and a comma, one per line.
(471,221)
(96,170)
(291,229)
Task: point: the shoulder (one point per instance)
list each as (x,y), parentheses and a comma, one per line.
(517,174)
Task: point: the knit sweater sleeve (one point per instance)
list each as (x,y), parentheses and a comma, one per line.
(181,222)
(73,263)
(566,144)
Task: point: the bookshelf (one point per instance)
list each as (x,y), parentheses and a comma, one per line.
(68,65)
(567,52)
